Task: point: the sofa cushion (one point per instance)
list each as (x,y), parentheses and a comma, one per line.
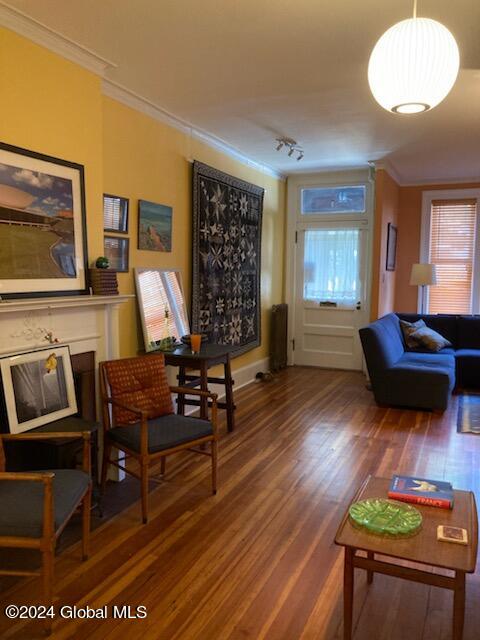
(469,332)
(430,339)
(444,324)
(163,433)
(382,343)
(21,502)
(429,360)
(409,328)
(468,367)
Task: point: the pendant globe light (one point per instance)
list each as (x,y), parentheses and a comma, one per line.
(413,66)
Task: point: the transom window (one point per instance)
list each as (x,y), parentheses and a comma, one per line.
(328,200)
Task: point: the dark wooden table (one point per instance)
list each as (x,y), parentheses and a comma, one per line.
(423,548)
(208,356)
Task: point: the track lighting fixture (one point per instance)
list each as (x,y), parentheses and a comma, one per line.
(291,147)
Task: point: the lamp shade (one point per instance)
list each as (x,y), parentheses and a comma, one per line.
(423,274)
(413,66)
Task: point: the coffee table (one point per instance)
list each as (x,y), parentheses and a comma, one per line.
(423,548)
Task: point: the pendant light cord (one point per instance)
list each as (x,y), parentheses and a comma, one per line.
(414,9)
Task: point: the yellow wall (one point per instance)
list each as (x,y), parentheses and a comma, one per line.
(53,106)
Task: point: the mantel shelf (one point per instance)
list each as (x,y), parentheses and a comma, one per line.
(61,302)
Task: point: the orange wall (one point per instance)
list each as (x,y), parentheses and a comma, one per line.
(408,247)
(387,194)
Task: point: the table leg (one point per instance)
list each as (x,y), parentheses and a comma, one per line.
(348,593)
(181,396)
(229,395)
(204,387)
(370,556)
(458,605)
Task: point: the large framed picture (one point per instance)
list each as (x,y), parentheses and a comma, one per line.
(43,246)
(38,388)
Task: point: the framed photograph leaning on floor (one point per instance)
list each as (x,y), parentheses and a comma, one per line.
(38,388)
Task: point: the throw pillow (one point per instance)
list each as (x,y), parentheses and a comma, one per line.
(408,329)
(430,339)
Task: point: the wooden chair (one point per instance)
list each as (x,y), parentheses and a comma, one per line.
(139,420)
(36,506)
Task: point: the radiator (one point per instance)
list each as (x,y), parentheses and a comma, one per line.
(278,337)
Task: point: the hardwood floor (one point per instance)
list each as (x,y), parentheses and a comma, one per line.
(258,560)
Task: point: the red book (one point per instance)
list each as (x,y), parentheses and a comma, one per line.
(430,493)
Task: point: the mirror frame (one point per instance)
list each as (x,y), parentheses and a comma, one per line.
(138,271)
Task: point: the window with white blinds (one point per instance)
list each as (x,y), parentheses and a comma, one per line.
(452,249)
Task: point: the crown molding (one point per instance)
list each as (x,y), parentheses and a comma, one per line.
(389,168)
(135,101)
(39,33)
(427,182)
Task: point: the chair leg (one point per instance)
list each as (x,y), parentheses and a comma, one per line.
(48,559)
(214,467)
(86,511)
(163,465)
(107,449)
(144,481)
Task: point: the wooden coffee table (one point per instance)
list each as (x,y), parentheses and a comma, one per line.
(423,548)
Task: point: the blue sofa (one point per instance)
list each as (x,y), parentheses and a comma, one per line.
(421,379)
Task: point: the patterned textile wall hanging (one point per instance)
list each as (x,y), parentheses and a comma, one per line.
(227,230)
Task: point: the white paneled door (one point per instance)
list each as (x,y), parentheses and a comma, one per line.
(330,295)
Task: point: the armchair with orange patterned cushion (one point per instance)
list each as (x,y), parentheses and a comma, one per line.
(138,419)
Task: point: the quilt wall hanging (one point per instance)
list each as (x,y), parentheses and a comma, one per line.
(227,230)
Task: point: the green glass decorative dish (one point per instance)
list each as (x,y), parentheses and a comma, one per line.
(386,517)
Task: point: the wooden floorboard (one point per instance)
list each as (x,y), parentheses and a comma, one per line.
(258,560)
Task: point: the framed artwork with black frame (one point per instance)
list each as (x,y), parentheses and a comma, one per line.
(115,213)
(38,388)
(43,236)
(391,247)
(117,250)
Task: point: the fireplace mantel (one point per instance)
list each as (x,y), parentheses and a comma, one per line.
(60,302)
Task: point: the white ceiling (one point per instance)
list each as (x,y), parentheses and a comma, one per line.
(248,71)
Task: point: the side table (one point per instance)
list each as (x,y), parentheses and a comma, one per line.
(423,548)
(208,356)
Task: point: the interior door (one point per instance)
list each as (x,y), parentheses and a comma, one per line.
(330,295)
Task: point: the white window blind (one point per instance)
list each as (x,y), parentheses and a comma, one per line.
(452,250)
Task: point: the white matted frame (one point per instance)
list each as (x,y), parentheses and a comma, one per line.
(38,388)
(449,194)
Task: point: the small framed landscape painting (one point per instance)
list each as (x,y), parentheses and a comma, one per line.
(43,247)
(116,250)
(38,388)
(154,226)
(391,247)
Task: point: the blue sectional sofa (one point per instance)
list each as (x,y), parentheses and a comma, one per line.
(417,378)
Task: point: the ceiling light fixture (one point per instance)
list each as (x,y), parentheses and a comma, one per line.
(291,147)
(413,66)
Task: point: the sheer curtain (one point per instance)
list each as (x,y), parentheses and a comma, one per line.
(332,265)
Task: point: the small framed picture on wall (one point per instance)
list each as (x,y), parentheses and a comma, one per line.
(115,213)
(116,250)
(391,247)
